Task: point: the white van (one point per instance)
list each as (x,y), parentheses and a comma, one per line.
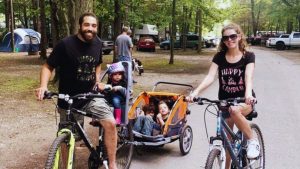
(146,30)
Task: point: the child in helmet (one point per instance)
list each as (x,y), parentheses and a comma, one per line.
(117,84)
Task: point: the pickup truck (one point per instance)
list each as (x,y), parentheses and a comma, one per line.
(285,41)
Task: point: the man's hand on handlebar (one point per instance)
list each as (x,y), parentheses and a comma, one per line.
(39,93)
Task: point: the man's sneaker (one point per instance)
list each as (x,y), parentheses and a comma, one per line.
(253,148)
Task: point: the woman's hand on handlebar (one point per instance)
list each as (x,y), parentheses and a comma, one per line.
(250,100)
(191,97)
(39,93)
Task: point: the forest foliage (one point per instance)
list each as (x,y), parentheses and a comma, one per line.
(56,19)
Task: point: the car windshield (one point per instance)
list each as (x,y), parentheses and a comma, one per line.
(146,39)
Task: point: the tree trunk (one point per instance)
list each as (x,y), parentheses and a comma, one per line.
(197,22)
(254,25)
(43,46)
(63,19)
(12,18)
(298,18)
(117,24)
(173,33)
(184,28)
(36,18)
(289,28)
(7,14)
(72,17)
(200,31)
(25,17)
(54,22)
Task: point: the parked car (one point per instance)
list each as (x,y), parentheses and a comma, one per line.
(166,44)
(286,41)
(211,42)
(146,43)
(192,42)
(107,46)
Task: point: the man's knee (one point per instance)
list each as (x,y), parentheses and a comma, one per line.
(108,125)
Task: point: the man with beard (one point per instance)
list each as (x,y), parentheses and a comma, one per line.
(78,59)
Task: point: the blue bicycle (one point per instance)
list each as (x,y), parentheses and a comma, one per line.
(237,145)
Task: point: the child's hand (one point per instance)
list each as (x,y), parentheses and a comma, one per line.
(159,117)
(99,86)
(117,88)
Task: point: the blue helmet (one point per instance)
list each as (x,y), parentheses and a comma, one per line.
(116,67)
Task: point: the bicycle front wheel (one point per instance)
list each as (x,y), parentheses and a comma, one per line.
(213,160)
(259,162)
(125,146)
(61,154)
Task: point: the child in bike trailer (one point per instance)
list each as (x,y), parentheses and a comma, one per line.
(146,125)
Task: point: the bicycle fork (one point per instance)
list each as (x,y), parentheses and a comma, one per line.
(217,143)
(71,145)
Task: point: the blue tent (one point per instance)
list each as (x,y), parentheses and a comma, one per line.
(26,40)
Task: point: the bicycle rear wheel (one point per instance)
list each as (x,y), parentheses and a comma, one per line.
(124,147)
(213,160)
(59,153)
(259,162)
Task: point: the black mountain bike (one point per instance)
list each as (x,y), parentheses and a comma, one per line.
(237,145)
(62,150)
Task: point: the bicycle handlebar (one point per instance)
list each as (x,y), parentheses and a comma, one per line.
(223,103)
(89,95)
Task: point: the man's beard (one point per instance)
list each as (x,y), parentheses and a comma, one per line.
(87,38)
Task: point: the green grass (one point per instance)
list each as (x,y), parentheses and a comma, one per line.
(162,66)
(17,87)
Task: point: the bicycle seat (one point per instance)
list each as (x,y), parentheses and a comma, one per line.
(252,115)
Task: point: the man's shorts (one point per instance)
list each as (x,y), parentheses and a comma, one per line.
(100,109)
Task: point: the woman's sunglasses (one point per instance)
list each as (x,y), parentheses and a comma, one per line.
(232,37)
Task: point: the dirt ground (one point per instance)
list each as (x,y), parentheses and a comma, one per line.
(28,127)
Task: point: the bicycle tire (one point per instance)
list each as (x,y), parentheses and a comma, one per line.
(186,140)
(260,161)
(55,150)
(124,147)
(213,159)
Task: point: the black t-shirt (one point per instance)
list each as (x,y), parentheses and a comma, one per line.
(76,62)
(232,75)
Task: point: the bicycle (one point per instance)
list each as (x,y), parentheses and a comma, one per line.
(236,146)
(62,150)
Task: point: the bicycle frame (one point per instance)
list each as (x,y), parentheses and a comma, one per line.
(221,135)
(71,121)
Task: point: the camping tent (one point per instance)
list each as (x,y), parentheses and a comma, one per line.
(26,40)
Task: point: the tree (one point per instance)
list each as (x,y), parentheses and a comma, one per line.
(173,33)
(43,46)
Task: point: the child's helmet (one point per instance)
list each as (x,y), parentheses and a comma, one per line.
(116,67)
